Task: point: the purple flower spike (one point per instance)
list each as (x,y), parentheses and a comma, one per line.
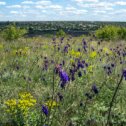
(64,78)
(45,110)
(95,89)
(124,73)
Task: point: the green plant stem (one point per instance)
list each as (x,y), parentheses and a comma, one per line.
(112,101)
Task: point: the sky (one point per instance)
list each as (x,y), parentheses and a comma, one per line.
(62,10)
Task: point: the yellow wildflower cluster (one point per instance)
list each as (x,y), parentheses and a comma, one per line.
(75,53)
(21,52)
(90,68)
(93,54)
(51,104)
(106,50)
(12,103)
(71,61)
(24,102)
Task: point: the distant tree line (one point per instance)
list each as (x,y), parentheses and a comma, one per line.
(108,32)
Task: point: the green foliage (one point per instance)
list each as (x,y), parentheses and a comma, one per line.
(122,33)
(110,32)
(12,33)
(60,33)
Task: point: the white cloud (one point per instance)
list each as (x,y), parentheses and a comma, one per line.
(30,11)
(123,3)
(80,12)
(14,12)
(55,7)
(99,12)
(14,6)
(44,11)
(2,3)
(27,2)
(25,7)
(121,11)
(44,2)
(70,8)
(81,1)
(99,5)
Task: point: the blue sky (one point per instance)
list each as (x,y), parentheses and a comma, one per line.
(53,10)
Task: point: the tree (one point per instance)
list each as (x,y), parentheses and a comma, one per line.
(12,33)
(60,33)
(108,32)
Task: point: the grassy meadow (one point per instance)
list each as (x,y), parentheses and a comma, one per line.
(62,81)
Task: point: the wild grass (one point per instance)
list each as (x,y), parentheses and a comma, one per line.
(34,65)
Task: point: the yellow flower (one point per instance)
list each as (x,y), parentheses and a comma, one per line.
(75,53)
(25,95)
(21,52)
(93,54)
(11,102)
(90,68)
(106,50)
(24,102)
(71,61)
(51,104)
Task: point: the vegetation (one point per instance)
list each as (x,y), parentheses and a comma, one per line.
(111,33)
(62,81)
(60,33)
(74,28)
(12,33)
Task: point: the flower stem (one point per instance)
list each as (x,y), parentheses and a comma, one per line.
(112,101)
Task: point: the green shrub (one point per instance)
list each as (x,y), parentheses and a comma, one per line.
(122,33)
(111,33)
(60,33)
(12,33)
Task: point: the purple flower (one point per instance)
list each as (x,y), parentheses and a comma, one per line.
(80,65)
(95,89)
(64,78)
(65,49)
(45,110)
(61,39)
(124,73)
(112,64)
(84,42)
(86,64)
